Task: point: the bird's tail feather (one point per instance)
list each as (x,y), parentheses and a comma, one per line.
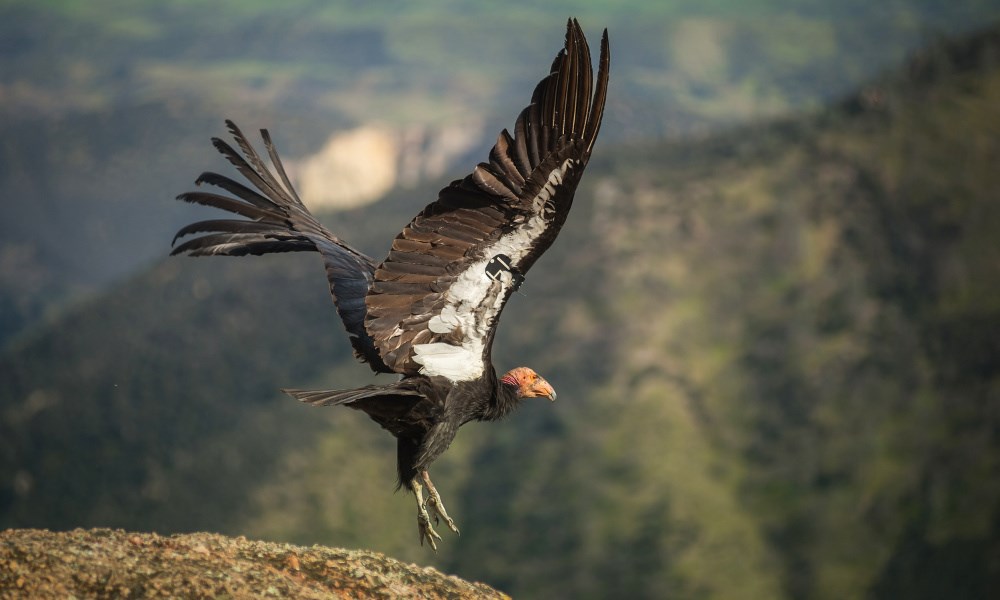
(343,397)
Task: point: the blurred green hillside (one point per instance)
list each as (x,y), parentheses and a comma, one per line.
(720,60)
(106,104)
(777,351)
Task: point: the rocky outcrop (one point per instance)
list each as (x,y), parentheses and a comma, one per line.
(107,563)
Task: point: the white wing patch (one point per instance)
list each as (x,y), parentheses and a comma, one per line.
(446,322)
(457,363)
(470,306)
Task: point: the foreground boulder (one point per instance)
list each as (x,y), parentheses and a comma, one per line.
(116,563)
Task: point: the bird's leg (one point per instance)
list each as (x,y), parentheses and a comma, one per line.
(423,519)
(434,499)
(424,526)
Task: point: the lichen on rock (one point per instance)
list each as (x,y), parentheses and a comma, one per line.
(110,563)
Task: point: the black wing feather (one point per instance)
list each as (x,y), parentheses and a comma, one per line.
(280,223)
(387,308)
(557,129)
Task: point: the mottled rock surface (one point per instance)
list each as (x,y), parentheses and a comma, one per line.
(106,563)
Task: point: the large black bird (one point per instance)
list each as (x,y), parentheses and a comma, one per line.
(428,312)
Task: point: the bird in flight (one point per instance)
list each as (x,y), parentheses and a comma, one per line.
(428,312)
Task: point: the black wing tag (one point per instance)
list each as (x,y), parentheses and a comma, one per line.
(500,263)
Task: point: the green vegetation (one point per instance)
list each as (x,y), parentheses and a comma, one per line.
(712,61)
(776,350)
(107,104)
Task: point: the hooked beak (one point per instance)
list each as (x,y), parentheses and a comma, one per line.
(542,388)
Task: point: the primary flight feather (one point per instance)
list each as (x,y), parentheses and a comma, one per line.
(429,310)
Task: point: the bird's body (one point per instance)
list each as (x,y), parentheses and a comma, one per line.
(429,311)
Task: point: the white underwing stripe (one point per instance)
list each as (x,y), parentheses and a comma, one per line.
(474,300)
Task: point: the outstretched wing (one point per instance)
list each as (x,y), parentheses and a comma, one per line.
(278,221)
(435,300)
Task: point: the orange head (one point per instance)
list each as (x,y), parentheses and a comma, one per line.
(528,384)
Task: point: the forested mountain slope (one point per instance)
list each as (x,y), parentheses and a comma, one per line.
(105,105)
(776,352)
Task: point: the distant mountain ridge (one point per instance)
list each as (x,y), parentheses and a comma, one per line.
(107,105)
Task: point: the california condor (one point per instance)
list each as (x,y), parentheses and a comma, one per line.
(429,311)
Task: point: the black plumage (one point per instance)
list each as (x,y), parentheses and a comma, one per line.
(428,312)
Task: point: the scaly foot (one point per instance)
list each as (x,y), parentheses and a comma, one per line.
(434,499)
(424,527)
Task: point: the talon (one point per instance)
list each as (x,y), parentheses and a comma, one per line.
(424,528)
(434,500)
(432,503)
